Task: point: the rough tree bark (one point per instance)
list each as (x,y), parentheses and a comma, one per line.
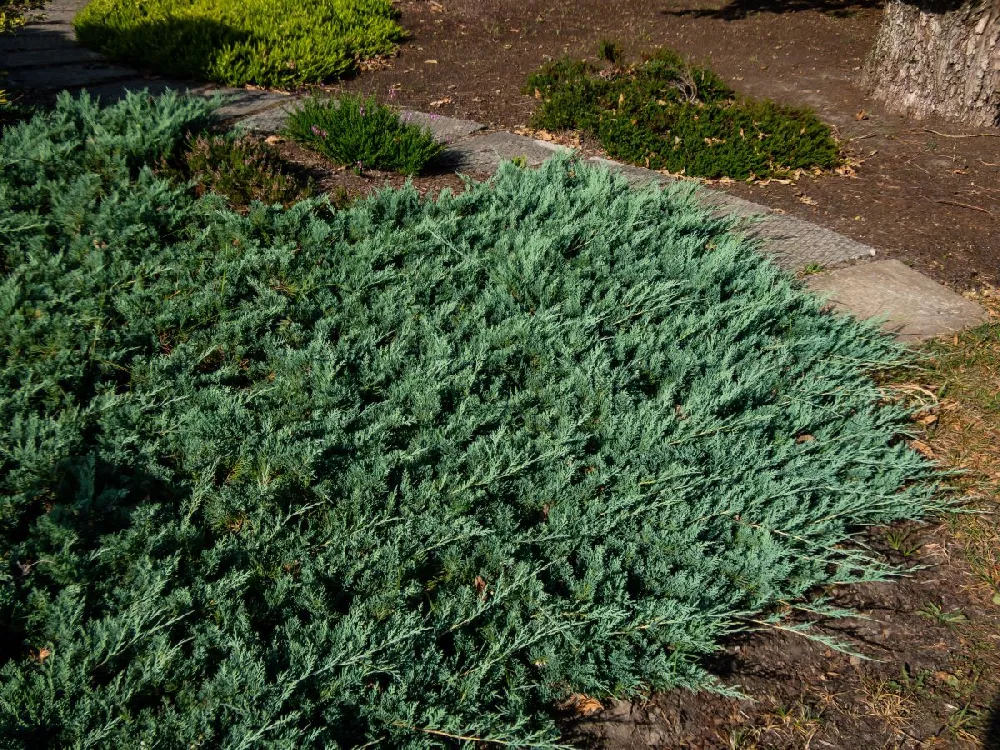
(938,57)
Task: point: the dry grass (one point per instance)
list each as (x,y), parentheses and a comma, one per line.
(964,373)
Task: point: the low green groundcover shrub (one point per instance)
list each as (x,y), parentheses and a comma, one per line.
(410,470)
(666,114)
(283,43)
(239,167)
(361,133)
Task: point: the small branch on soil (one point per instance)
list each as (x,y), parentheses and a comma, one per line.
(966,205)
(970,135)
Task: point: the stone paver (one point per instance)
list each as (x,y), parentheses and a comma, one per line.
(482,154)
(112,92)
(68,76)
(243,103)
(36,58)
(916,306)
(444,129)
(270,121)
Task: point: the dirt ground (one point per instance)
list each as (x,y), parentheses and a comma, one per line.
(931,199)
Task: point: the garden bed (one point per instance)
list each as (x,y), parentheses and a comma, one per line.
(904,191)
(410,469)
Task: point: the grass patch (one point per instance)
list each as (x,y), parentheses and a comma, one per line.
(239,167)
(409,470)
(278,43)
(963,375)
(361,133)
(666,114)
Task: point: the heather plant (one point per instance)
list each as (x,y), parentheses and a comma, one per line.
(666,114)
(239,167)
(361,133)
(281,43)
(405,472)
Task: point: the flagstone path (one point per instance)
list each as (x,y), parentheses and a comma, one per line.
(44,57)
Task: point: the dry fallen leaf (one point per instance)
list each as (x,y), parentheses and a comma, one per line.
(803,198)
(538,94)
(273,139)
(441,102)
(430,62)
(804,438)
(928,420)
(480,584)
(921,447)
(583,705)
(43,654)
(861,115)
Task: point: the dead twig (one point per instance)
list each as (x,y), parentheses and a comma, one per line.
(969,135)
(967,205)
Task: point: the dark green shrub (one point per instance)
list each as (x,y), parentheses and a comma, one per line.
(267,42)
(413,469)
(666,114)
(361,133)
(609,52)
(241,168)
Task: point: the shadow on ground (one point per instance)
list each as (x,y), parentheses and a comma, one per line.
(991,741)
(739,9)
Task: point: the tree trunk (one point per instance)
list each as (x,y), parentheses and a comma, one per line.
(938,57)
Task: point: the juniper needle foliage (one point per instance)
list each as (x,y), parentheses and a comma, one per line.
(303,478)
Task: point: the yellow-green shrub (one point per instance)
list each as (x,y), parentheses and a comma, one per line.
(267,42)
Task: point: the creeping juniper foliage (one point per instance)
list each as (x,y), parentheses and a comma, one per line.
(666,114)
(313,478)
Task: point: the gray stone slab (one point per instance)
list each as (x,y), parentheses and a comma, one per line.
(270,121)
(243,102)
(112,92)
(62,15)
(62,55)
(37,38)
(916,307)
(792,243)
(68,76)
(444,129)
(483,153)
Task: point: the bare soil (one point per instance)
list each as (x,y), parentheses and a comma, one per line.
(931,199)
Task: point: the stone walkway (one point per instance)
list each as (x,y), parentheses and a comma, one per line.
(44,57)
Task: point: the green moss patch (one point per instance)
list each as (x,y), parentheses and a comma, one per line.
(409,470)
(666,114)
(363,134)
(279,43)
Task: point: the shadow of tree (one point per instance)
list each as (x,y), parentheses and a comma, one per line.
(178,47)
(991,741)
(739,9)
